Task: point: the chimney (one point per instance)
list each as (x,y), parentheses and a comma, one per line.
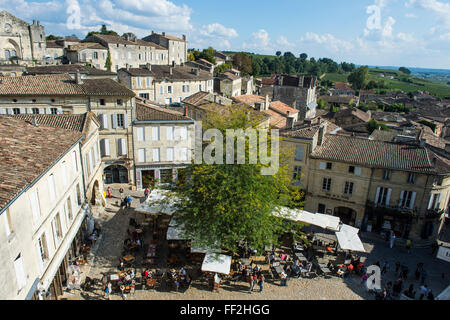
(78,78)
(148,66)
(259,106)
(185,111)
(267,101)
(173,63)
(164,34)
(128,66)
(171,70)
(290,123)
(288,113)
(322,131)
(184,37)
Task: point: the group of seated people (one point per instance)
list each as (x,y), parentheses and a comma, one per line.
(355,266)
(298,267)
(179,278)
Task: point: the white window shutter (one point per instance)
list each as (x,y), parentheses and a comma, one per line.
(358,171)
(184,132)
(22,110)
(105,121)
(29,110)
(140,133)
(438,202)
(48,110)
(20,272)
(377,196)
(100,117)
(155,133)
(413,199)
(114,121)
(388,196)
(401,198)
(41,110)
(122,147)
(106,145)
(40,262)
(169,131)
(2,111)
(322,165)
(184,154)
(177,133)
(125,121)
(169,154)
(141,155)
(34,201)
(430,203)
(156,155)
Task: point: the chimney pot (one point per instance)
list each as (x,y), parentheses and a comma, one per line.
(290,123)
(164,34)
(78,79)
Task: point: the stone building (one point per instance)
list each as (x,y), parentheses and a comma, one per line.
(166,85)
(88,52)
(298,92)
(113,103)
(11,70)
(42,208)
(176,47)
(72,70)
(374,185)
(20,40)
(163,142)
(130,52)
(89,125)
(228,84)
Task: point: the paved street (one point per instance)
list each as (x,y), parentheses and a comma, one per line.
(115,221)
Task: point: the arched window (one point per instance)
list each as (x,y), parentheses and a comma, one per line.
(7,54)
(7,27)
(13,53)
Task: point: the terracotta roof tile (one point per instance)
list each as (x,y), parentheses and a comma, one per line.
(26,152)
(146,112)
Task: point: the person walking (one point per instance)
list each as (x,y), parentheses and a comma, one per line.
(108,288)
(129,200)
(408,246)
(397,266)
(261,282)
(254,281)
(423,291)
(423,277)
(109,192)
(121,192)
(392,240)
(419,270)
(146,193)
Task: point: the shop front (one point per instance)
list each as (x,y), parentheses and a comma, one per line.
(147,176)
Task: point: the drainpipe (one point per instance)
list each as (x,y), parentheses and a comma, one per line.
(82,171)
(364,222)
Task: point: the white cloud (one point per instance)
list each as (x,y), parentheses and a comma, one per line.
(441,9)
(410,15)
(218,30)
(260,41)
(327,41)
(284,43)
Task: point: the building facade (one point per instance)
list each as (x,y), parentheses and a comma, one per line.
(176,47)
(41,207)
(166,85)
(88,52)
(163,144)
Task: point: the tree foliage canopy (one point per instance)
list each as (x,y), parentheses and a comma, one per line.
(359,77)
(103,30)
(232,204)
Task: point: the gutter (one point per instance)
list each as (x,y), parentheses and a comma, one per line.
(162,121)
(41,175)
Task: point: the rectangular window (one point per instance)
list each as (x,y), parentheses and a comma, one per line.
(16,110)
(383,196)
(148,81)
(169,133)
(141,133)
(184,154)
(169,89)
(20,272)
(69,208)
(411,178)
(351,169)
(43,249)
(102,102)
(169,154)
(52,187)
(299,153)
(161,90)
(138,81)
(184,133)
(329,165)
(78,195)
(141,155)
(120,120)
(35,110)
(64,173)
(95,54)
(321,208)
(58,227)
(386,175)
(156,155)
(144,95)
(35,207)
(297,173)
(119,102)
(54,111)
(407,199)
(155,133)
(326,184)
(348,190)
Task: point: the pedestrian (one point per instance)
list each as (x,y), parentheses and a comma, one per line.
(423,291)
(123,204)
(385,267)
(392,240)
(244,273)
(410,293)
(408,246)
(283,279)
(397,266)
(109,192)
(423,277)
(430,295)
(146,193)
(364,278)
(254,281)
(107,290)
(419,270)
(129,200)
(121,192)
(261,282)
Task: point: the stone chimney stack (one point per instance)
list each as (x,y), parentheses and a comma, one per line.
(78,79)
(197,71)
(290,123)
(171,70)
(128,66)
(148,66)
(267,102)
(322,131)
(184,37)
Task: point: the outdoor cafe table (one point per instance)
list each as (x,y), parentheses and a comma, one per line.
(323,267)
(301,257)
(279,270)
(245,261)
(128,258)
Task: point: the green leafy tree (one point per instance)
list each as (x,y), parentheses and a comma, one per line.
(278,53)
(232,204)
(303,56)
(52,37)
(243,62)
(103,30)
(373,125)
(108,62)
(358,77)
(191,56)
(404,70)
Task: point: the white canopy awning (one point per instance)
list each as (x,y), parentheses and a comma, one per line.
(196,248)
(444,295)
(325,221)
(215,262)
(176,233)
(348,238)
(158,202)
(443,253)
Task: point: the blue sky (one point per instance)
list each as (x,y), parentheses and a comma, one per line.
(413,33)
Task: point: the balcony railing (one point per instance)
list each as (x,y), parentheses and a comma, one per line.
(392,210)
(434,213)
